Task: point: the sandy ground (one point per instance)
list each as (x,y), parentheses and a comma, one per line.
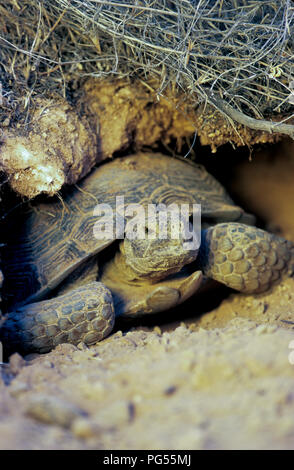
(220,380)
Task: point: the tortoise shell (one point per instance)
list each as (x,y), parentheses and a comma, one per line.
(50,240)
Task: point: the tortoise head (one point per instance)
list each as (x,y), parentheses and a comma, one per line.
(161,248)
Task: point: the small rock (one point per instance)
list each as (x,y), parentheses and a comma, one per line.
(157,330)
(53,410)
(85,428)
(16,363)
(170,390)
(132,411)
(118,334)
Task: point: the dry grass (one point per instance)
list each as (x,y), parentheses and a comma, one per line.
(236,55)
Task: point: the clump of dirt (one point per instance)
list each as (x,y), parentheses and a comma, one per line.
(231,381)
(132,114)
(62,141)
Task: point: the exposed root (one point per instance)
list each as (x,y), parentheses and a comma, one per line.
(58,148)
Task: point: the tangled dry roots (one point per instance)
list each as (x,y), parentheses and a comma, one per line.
(220,63)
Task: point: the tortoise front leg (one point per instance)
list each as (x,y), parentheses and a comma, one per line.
(244,258)
(84,314)
(133,296)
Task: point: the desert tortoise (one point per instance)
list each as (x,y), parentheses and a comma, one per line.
(52,254)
